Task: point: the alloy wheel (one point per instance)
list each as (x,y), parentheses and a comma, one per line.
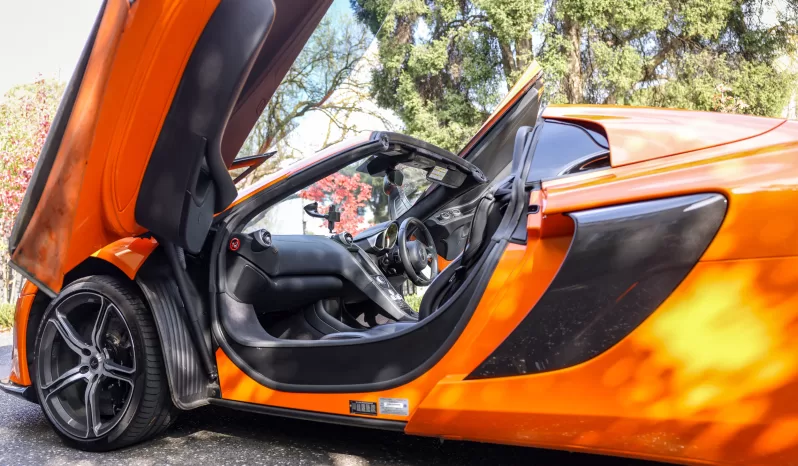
(86,365)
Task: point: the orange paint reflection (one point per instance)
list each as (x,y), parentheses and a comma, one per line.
(711,376)
(128,254)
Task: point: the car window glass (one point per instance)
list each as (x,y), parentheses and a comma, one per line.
(567,147)
(359,196)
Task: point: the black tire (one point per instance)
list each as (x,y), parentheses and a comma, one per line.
(126,396)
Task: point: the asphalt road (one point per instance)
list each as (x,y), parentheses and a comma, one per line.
(218,436)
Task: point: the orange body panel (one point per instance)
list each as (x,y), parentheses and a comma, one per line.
(130,80)
(128,254)
(758,176)
(711,376)
(19,354)
(708,378)
(638,134)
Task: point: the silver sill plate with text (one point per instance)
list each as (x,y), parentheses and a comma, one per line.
(397,406)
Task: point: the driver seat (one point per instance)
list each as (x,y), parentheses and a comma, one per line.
(487,216)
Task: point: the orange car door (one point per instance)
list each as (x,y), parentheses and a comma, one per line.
(161,101)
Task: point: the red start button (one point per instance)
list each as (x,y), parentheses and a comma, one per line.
(235,243)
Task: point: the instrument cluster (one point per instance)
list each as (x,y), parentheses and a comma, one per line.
(388,238)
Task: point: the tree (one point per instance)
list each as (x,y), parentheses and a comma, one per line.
(26,113)
(348,192)
(671,53)
(324,79)
(444,64)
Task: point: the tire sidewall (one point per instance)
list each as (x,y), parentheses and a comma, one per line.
(126,309)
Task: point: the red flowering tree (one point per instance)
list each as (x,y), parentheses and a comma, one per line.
(348,192)
(26,113)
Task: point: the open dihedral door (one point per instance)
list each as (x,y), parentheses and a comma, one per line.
(162,99)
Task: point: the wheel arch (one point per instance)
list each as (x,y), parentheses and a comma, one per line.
(121,259)
(124,260)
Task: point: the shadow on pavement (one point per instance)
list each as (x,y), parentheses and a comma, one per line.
(213,435)
(352,445)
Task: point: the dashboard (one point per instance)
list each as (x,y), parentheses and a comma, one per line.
(378,239)
(298,270)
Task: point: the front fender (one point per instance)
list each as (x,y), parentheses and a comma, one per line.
(127,255)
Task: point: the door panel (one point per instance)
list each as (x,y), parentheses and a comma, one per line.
(137,142)
(46,253)
(186,180)
(491,150)
(449,344)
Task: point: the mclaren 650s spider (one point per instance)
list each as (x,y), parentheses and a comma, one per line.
(615,280)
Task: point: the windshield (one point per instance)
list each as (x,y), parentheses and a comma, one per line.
(363,201)
(373,66)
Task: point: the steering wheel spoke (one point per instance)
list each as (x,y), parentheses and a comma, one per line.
(416,258)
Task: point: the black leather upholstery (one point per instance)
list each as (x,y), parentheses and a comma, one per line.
(486,220)
(487,217)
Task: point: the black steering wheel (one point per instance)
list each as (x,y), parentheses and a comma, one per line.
(417,255)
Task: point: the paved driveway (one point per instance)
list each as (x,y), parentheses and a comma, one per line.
(217,436)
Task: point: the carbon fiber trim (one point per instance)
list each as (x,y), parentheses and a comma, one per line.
(187,381)
(624,261)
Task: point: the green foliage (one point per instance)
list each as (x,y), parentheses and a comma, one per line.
(444,65)
(26,112)
(675,53)
(414,301)
(6,316)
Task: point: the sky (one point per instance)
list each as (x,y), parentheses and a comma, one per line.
(42,37)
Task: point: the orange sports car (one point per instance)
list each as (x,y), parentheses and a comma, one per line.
(615,280)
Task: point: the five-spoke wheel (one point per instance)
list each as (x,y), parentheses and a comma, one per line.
(98,371)
(86,351)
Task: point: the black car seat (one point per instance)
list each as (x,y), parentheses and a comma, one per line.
(487,216)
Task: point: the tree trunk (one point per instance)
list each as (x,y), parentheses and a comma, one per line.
(508,63)
(523,53)
(573,80)
(512,63)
